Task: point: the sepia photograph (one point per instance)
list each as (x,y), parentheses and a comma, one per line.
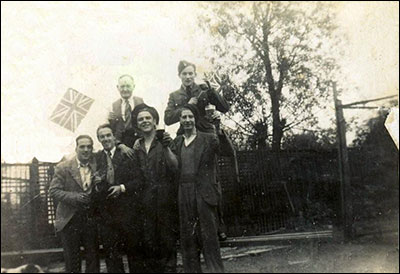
(199,136)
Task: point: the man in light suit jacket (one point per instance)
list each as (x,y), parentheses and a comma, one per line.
(70,188)
(199,194)
(120,115)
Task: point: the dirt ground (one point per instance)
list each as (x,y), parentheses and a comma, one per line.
(324,258)
(367,255)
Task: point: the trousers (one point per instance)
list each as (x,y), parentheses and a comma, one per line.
(81,230)
(198,230)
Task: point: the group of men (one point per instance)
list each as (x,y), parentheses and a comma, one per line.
(143,191)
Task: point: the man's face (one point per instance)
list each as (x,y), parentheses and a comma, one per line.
(106,138)
(187,76)
(125,87)
(146,122)
(187,119)
(84,149)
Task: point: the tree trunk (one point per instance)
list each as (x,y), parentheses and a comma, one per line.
(276,123)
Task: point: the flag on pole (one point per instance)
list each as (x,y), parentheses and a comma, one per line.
(214,80)
(72,108)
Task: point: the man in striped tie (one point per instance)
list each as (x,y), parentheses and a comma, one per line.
(120,115)
(116,194)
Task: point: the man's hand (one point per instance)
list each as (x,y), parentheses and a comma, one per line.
(112,115)
(193,101)
(166,140)
(82,200)
(129,152)
(215,118)
(114,191)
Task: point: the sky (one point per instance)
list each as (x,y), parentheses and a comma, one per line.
(48,47)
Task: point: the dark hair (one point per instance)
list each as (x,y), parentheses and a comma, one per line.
(104,126)
(141,108)
(83,137)
(193,109)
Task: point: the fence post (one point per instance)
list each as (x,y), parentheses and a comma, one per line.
(344,169)
(34,191)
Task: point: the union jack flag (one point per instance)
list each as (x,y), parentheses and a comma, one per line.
(72,108)
(214,79)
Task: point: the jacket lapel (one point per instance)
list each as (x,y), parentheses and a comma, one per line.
(74,170)
(118,109)
(93,165)
(117,158)
(198,150)
(75,173)
(153,149)
(178,149)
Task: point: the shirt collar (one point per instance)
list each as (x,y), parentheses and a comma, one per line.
(193,87)
(130,100)
(142,144)
(80,164)
(112,151)
(191,136)
(189,140)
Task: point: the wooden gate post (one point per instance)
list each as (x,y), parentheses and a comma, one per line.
(344,170)
(34,192)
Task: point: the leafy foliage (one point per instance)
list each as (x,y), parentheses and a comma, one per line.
(375,159)
(315,140)
(277,62)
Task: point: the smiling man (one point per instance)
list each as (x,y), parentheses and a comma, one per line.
(116,206)
(157,166)
(198,195)
(70,188)
(120,115)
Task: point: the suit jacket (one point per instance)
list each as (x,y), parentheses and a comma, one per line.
(126,134)
(179,98)
(117,210)
(65,187)
(206,147)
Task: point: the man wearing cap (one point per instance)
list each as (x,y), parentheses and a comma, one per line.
(120,116)
(191,93)
(157,167)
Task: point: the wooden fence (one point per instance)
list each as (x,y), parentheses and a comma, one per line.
(272,191)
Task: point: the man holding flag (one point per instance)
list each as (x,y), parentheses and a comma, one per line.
(207,100)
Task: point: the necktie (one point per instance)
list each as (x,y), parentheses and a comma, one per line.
(110,169)
(128,110)
(189,91)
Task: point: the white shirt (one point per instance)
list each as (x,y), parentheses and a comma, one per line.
(112,151)
(189,140)
(86,174)
(123,106)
